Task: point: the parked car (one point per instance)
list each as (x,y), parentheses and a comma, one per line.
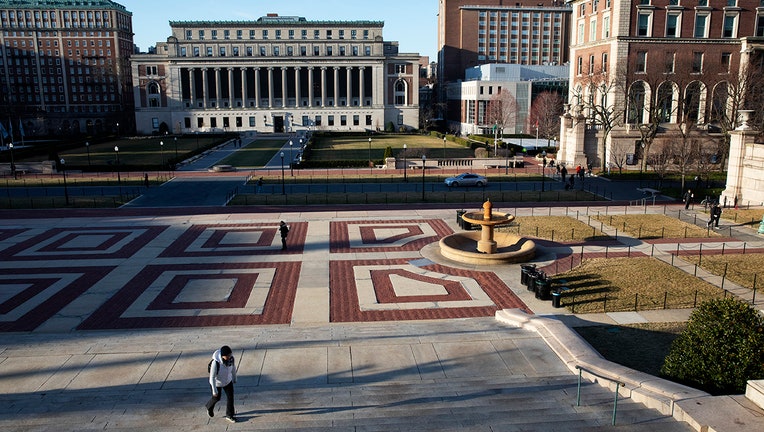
(466,179)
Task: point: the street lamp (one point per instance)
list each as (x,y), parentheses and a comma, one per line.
(63,170)
(291,160)
(283,189)
(405,164)
(506,160)
(424,161)
(87,146)
(161,150)
(13,165)
(117,129)
(543,169)
(444,146)
(176,149)
(370,164)
(116,154)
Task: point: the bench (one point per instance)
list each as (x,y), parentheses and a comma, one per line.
(649,191)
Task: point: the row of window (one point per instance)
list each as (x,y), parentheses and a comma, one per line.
(702,25)
(75,15)
(669,63)
(306,120)
(277,34)
(275,51)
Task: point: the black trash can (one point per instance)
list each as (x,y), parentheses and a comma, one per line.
(525,271)
(459,220)
(533,276)
(543,288)
(557,299)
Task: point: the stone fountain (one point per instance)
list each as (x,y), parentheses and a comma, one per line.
(487,247)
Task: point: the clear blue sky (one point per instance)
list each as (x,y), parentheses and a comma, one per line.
(413,23)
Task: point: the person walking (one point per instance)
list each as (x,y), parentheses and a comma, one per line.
(687,199)
(284,230)
(222,377)
(716,211)
(259,185)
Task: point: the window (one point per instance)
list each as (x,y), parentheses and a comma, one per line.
(201,34)
(316,34)
(581,33)
(239,34)
(701,30)
(235,51)
(265,34)
(328,34)
(579,65)
(669,63)
(303,50)
(593,30)
(672,25)
(222,51)
(196,51)
(209,51)
(226,34)
(697,62)
(400,68)
(330,120)
(189,35)
(356,120)
(214,34)
(606,27)
(728,31)
(604,62)
(291,33)
(726,60)
(641,66)
(329,50)
(591,64)
(343,120)
(278,34)
(304,34)
(276,51)
(342,34)
(290,51)
(182,51)
(316,51)
(262,51)
(342,51)
(643,24)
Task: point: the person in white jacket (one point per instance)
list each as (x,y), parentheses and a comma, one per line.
(222,376)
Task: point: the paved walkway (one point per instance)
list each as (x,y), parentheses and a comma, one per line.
(107,318)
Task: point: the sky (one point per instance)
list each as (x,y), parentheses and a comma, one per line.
(413,23)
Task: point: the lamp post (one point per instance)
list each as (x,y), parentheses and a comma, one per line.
(87,146)
(116,155)
(543,169)
(405,164)
(506,161)
(13,164)
(161,150)
(283,189)
(291,160)
(444,146)
(370,164)
(63,170)
(424,161)
(197,140)
(117,129)
(176,149)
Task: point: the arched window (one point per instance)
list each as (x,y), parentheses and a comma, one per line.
(154,96)
(694,99)
(665,102)
(720,107)
(400,92)
(635,114)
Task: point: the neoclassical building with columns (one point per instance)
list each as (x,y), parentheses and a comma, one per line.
(275,74)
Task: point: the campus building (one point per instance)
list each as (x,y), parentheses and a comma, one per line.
(275,74)
(476,32)
(648,77)
(64,67)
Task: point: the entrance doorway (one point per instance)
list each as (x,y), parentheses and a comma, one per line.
(278,124)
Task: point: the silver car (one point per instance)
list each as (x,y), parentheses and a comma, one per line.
(466,179)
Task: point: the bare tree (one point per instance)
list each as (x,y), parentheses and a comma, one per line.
(660,161)
(502,110)
(545,114)
(619,151)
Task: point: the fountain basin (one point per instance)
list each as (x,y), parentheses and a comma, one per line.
(510,248)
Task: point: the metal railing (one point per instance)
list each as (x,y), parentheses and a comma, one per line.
(617,383)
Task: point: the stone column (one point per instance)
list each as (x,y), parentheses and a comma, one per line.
(257,87)
(310,87)
(205,89)
(192,84)
(360,85)
(230,87)
(744,175)
(336,75)
(283,87)
(243,87)
(297,87)
(218,88)
(270,87)
(349,90)
(323,86)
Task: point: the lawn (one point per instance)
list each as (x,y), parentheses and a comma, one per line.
(651,226)
(631,284)
(326,148)
(256,154)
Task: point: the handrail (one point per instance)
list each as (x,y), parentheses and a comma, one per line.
(618,384)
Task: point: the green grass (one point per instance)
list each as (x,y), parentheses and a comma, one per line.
(256,154)
(357,147)
(135,152)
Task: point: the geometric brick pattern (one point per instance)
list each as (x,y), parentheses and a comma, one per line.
(31,296)
(220,240)
(381,236)
(246,294)
(464,293)
(82,243)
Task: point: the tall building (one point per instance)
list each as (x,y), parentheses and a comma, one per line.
(275,74)
(64,67)
(659,69)
(476,32)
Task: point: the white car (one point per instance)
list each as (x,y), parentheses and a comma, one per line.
(466,179)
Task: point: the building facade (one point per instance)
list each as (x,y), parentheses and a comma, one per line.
(501,95)
(64,67)
(275,74)
(472,33)
(648,74)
